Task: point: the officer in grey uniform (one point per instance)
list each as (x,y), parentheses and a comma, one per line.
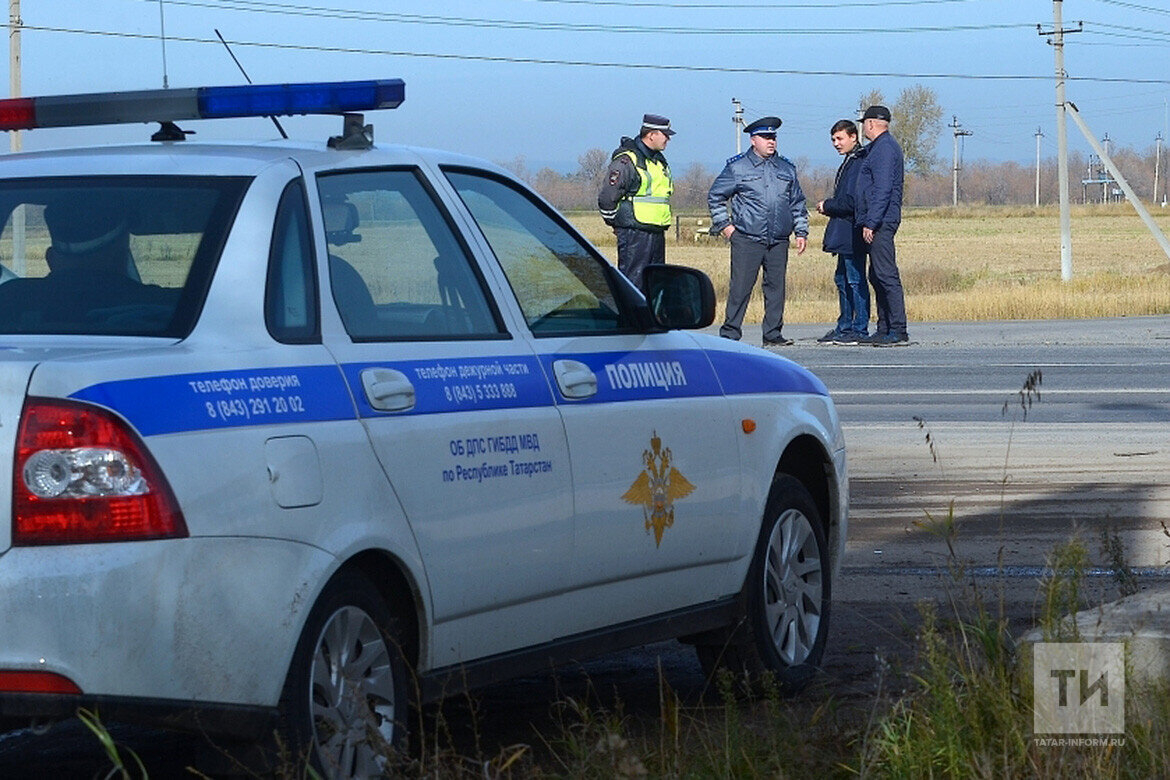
(757,204)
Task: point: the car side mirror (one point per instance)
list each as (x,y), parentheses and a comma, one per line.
(680,298)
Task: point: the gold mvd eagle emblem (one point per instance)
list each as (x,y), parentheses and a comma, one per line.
(657,488)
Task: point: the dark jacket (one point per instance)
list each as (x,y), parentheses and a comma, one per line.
(622,180)
(761,197)
(842,234)
(879,185)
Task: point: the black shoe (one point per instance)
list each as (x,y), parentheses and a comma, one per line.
(851,338)
(830,337)
(891,340)
(780,342)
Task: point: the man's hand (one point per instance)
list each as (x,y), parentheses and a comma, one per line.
(820,207)
(867,234)
(801,243)
(727,231)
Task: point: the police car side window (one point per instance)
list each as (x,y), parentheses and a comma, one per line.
(397,268)
(559,282)
(290,299)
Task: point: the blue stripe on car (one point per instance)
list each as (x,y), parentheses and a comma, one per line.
(299,394)
(226,399)
(645,374)
(743,374)
(462,384)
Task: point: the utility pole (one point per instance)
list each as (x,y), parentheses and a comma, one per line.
(1057,41)
(737,122)
(1039,135)
(14,139)
(1157,163)
(1104,178)
(955,159)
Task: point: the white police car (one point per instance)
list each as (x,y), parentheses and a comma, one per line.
(299,430)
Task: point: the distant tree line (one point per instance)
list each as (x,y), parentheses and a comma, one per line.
(918,127)
(982,182)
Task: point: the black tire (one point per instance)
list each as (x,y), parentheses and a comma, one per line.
(346,701)
(787,597)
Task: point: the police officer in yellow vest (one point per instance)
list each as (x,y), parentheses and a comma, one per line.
(635,197)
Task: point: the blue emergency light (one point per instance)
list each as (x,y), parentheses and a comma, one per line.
(169,105)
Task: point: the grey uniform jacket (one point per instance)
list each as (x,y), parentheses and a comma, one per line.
(761,197)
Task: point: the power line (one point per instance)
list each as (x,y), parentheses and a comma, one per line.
(597,64)
(1126,28)
(1124,36)
(1136,7)
(321,12)
(1118,45)
(752,6)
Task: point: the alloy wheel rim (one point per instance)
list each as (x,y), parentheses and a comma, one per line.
(793,587)
(351,696)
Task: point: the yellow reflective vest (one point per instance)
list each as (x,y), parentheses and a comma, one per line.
(651,201)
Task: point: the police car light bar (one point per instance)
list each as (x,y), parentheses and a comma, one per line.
(169,105)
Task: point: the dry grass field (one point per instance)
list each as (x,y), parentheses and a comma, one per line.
(976,263)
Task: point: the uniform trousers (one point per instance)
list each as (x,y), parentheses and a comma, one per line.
(887,284)
(747,256)
(638,249)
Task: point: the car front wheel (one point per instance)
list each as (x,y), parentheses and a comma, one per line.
(787,592)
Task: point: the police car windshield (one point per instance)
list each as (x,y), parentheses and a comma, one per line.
(112,255)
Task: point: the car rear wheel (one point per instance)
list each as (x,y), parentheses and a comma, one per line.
(346,703)
(786,618)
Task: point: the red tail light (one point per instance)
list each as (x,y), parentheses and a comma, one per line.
(82,475)
(36,682)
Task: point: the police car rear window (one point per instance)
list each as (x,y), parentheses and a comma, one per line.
(113,255)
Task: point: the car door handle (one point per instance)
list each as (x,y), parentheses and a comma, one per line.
(388,390)
(575,379)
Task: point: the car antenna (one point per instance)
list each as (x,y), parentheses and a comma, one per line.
(275,121)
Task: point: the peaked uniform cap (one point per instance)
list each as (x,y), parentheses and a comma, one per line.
(656,122)
(767,125)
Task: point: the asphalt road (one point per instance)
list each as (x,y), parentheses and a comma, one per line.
(1090,451)
(1090,454)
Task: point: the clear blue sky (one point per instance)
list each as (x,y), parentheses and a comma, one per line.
(487,77)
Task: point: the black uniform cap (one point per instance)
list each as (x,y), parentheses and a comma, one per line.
(656,122)
(767,125)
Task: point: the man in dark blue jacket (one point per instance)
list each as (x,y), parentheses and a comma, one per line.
(843,239)
(879,212)
(756,203)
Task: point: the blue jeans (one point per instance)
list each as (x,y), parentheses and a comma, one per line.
(852,294)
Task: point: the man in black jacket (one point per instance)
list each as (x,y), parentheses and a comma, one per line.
(843,239)
(635,197)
